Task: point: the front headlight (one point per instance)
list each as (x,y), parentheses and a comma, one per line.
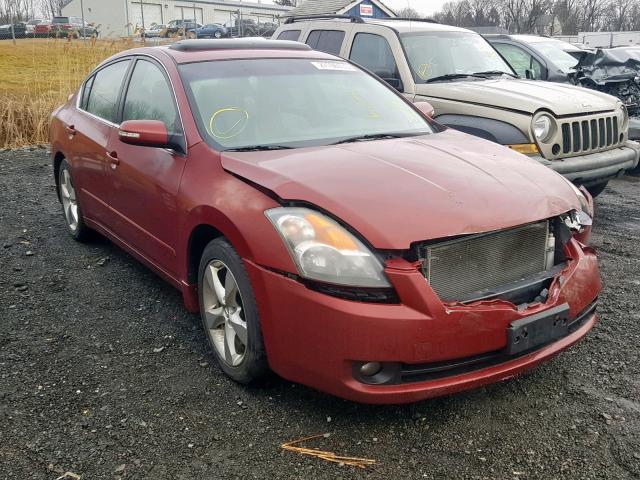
(543,127)
(323,250)
(583,217)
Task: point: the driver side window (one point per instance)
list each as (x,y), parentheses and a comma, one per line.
(519,60)
(150,97)
(374,53)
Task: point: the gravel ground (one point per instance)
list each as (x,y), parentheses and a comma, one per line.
(104,374)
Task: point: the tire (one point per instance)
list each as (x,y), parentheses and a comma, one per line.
(597,189)
(71,206)
(192,36)
(230,321)
(218,34)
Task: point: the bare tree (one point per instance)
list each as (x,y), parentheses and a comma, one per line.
(408,12)
(286,3)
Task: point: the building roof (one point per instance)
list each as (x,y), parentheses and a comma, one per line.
(320,7)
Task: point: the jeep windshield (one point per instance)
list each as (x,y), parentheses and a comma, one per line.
(450,56)
(268,104)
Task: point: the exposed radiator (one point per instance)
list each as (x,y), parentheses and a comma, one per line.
(474,263)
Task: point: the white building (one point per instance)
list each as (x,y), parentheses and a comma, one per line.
(118,18)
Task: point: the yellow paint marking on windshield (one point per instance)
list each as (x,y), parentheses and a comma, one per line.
(423,71)
(371,112)
(235,129)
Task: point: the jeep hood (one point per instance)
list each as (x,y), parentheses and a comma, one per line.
(395,192)
(521,95)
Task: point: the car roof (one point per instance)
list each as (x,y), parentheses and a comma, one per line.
(399,25)
(191,51)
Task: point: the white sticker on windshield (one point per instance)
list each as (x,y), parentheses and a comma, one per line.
(340,66)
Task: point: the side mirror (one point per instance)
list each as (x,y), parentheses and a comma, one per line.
(530,74)
(145,133)
(426,108)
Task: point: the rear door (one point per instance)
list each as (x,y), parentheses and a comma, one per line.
(94,124)
(145,181)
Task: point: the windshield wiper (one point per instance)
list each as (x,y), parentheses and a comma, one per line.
(449,76)
(258,148)
(375,136)
(492,72)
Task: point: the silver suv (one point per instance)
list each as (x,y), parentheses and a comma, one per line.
(580,133)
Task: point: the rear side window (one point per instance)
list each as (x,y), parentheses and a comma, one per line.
(150,97)
(289,35)
(329,41)
(374,53)
(103,97)
(86,90)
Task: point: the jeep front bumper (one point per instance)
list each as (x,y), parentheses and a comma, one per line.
(596,167)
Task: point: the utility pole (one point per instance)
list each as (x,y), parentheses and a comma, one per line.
(195,20)
(84,30)
(144,37)
(13,32)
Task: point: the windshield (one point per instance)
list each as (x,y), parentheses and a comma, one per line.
(437,54)
(554,50)
(60,19)
(293,103)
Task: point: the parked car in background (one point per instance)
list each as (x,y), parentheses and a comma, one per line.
(154,31)
(43,29)
(71,26)
(19,31)
(538,58)
(580,133)
(339,237)
(243,27)
(211,30)
(180,27)
(31,25)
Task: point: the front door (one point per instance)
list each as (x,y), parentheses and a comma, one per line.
(145,180)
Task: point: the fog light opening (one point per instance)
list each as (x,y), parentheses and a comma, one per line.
(555,149)
(370,369)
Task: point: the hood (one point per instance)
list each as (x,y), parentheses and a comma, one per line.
(395,192)
(521,95)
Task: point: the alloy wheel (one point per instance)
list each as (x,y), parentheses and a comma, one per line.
(69,201)
(223,313)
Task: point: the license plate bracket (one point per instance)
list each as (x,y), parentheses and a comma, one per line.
(537,330)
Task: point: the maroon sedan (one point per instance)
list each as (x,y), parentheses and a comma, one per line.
(324,227)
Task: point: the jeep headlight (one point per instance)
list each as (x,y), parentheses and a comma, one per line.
(324,250)
(543,127)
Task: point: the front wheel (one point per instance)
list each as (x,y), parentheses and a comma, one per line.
(597,189)
(218,34)
(229,313)
(70,205)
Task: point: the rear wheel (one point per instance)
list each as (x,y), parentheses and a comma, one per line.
(229,313)
(70,205)
(597,189)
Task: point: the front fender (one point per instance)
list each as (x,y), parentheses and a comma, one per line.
(494,130)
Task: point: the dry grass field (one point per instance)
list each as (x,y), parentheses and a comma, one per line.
(36,75)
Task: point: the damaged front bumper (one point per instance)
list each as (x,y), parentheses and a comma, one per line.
(596,167)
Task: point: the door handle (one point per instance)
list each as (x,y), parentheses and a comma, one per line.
(71,130)
(113,157)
